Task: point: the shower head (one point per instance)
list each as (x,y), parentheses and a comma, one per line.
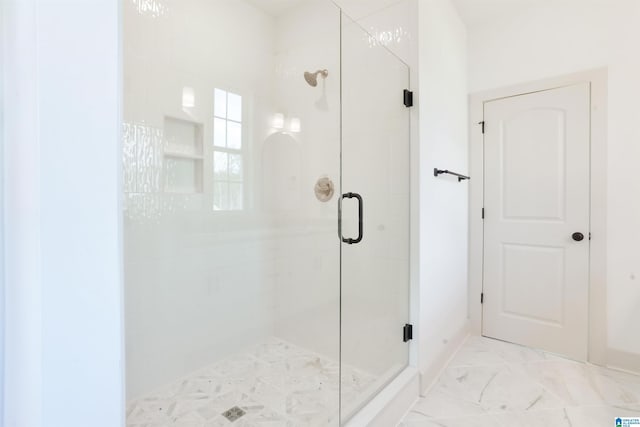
(312,78)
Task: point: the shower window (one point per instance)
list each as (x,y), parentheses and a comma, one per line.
(228,152)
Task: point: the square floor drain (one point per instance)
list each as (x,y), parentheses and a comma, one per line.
(233,413)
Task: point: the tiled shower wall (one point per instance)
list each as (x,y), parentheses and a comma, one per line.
(198,287)
(201,286)
(307,296)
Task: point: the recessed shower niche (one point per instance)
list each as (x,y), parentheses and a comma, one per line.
(183,156)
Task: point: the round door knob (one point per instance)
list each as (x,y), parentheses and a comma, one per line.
(578,237)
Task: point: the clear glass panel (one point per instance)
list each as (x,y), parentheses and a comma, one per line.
(234,135)
(221,196)
(234,107)
(220,132)
(235,196)
(231,271)
(220,166)
(375,272)
(220,103)
(235,167)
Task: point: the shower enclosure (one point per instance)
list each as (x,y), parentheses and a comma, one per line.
(266,189)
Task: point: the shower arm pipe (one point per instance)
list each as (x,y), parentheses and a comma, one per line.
(437,172)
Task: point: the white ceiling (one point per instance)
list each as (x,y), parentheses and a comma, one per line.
(274,7)
(477,12)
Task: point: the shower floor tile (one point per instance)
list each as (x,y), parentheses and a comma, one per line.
(275,383)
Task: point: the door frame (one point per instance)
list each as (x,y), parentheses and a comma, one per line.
(598,80)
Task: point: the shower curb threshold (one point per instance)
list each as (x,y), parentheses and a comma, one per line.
(389,406)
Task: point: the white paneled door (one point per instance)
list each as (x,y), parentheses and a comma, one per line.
(536,226)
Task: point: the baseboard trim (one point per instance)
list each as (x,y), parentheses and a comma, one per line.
(428,377)
(624,361)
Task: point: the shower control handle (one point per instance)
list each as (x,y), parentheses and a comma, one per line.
(360,215)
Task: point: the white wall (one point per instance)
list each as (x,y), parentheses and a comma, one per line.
(63,324)
(443,201)
(558,38)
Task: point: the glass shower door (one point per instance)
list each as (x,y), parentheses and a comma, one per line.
(374,217)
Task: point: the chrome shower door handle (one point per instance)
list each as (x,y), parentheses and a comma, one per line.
(360,214)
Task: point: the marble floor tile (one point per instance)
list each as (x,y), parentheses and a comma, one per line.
(494,383)
(600,416)
(276,383)
(496,388)
(469,421)
(539,418)
(479,351)
(438,404)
